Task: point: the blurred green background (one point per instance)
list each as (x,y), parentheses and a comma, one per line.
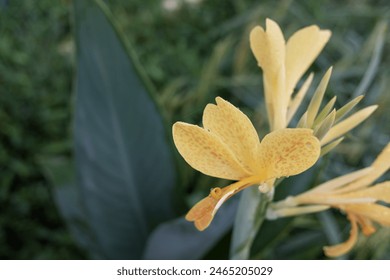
(192,51)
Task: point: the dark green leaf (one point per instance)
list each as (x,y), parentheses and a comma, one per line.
(61,174)
(125,169)
(179,239)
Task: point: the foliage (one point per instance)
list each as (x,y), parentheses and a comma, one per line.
(35,79)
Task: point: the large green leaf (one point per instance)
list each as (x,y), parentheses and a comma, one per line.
(123,158)
(61,174)
(180,240)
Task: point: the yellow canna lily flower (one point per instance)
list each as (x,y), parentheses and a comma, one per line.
(284,64)
(353,194)
(228,147)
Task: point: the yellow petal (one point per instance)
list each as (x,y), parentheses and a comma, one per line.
(345,247)
(366,225)
(288,152)
(203,212)
(302,49)
(375,212)
(348,124)
(269,49)
(294,211)
(338,182)
(379,167)
(379,192)
(234,129)
(206,153)
(268,46)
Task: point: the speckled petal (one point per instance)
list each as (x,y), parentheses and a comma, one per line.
(202,213)
(234,129)
(288,151)
(206,153)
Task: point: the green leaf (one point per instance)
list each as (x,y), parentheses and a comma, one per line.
(331,229)
(123,158)
(250,216)
(180,240)
(3,3)
(60,173)
(271,234)
(303,245)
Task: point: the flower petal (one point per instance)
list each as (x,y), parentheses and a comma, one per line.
(348,124)
(379,167)
(203,212)
(375,212)
(379,192)
(288,152)
(338,182)
(366,225)
(234,129)
(269,49)
(206,153)
(301,50)
(268,46)
(345,247)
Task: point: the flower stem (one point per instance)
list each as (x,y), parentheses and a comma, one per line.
(250,216)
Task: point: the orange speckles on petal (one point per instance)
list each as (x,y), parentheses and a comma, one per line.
(289,151)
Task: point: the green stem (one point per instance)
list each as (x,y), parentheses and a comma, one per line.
(250,216)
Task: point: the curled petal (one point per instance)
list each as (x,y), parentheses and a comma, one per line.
(203,212)
(205,152)
(234,129)
(375,212)
(345,247)
(288,152)
(366,225)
